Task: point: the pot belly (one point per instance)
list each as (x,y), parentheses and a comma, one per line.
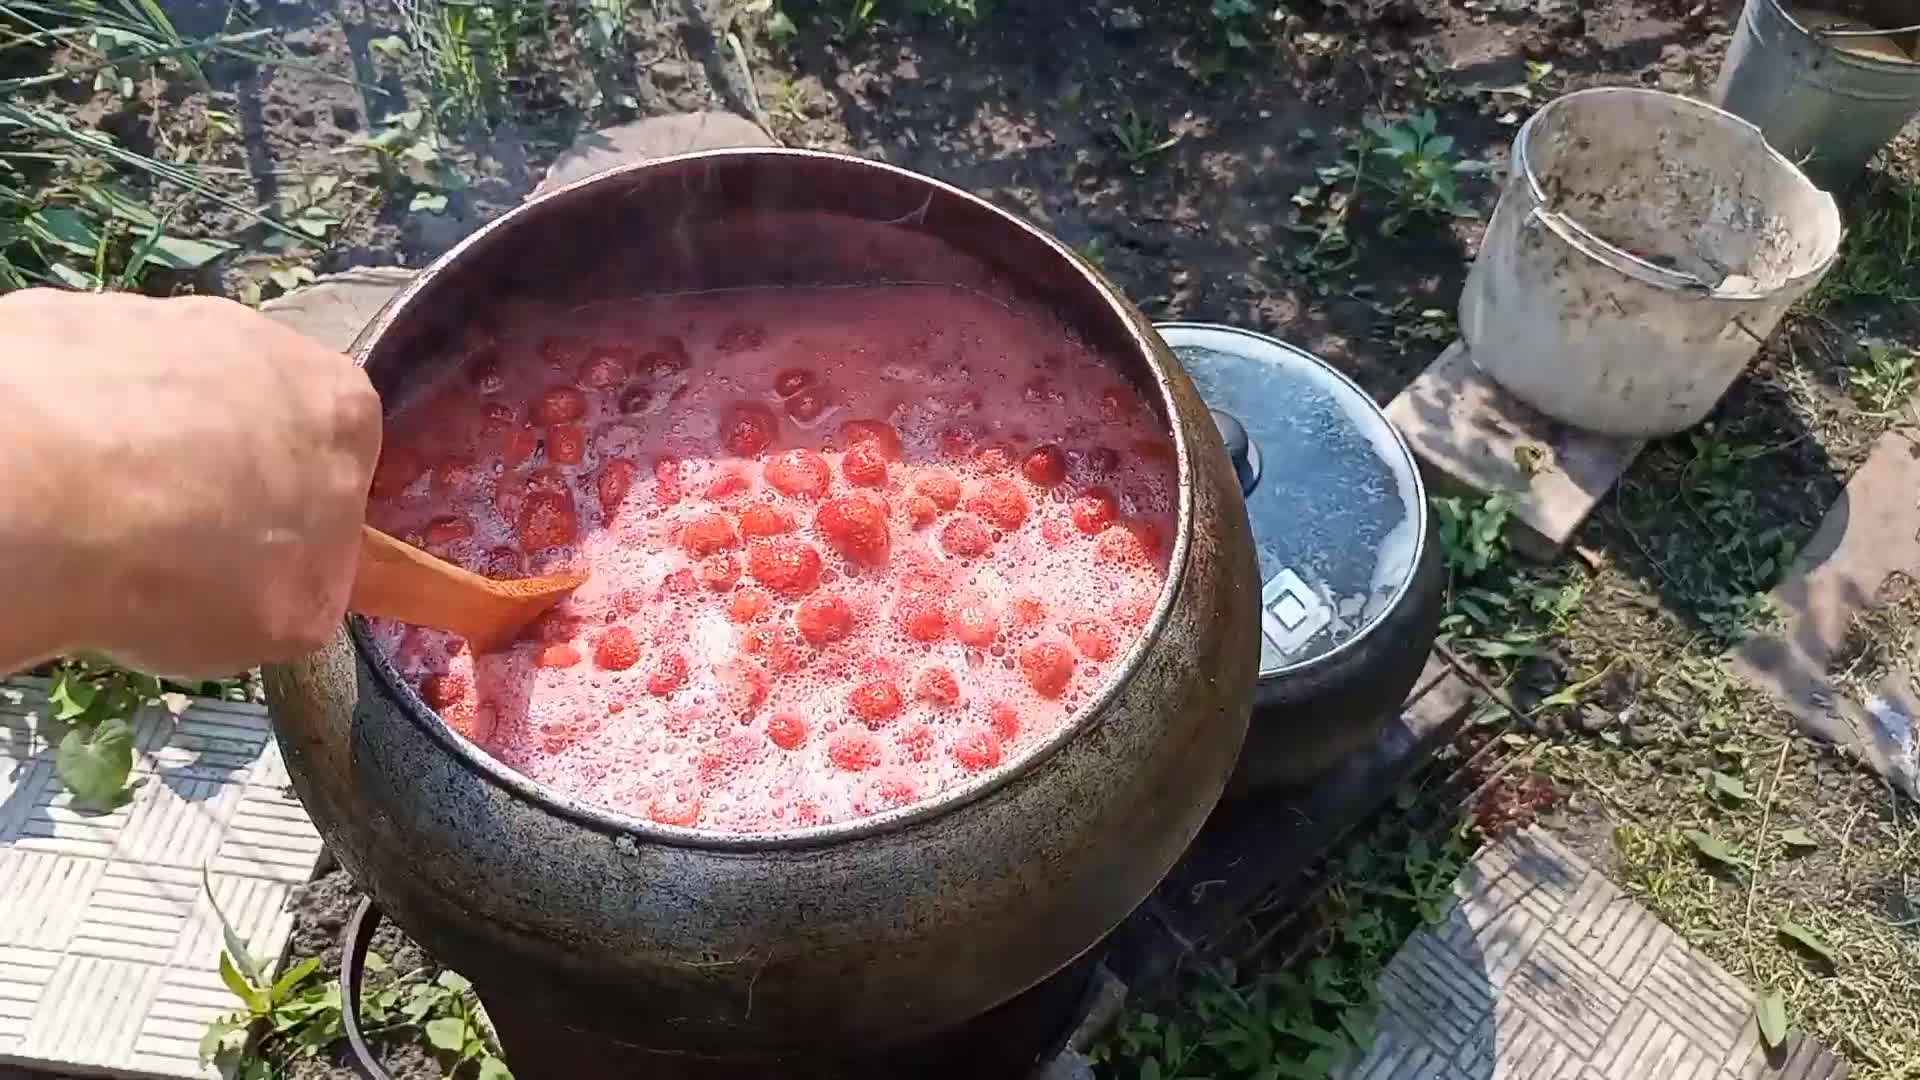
(867,941)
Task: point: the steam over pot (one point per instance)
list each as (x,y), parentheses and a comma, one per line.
(825,940)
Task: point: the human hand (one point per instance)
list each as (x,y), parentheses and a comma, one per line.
(184,482)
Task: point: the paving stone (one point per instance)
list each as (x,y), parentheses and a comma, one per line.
(652,137)
(335,307)
(109,943)
(1542,970)
(1470,434)
(1870,535)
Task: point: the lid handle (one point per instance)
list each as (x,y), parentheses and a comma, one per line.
(1246,462)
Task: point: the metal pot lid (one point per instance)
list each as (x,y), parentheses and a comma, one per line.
(1335,498)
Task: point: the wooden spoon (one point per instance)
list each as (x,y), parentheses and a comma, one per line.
(399,581)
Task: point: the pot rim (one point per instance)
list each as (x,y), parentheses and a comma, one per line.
(1141,337)
(1607,253)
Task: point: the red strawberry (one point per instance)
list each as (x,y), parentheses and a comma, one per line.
(1001,502)
(940,486)
(560,405)
(877,433)
(1046,466)
(764,519)
(748,429)
(977,750)
(606,366)
(853,749)
(856,526)
(566,444)
(787,730)
(718,572)
(1048,667)
(676,807)
(823,619)
(876,703)
(965,537)
(1093,637)
(791,381)
(923,617)
(668,675)
(975,623)
(864,465)
(547,520)
(791,567)
(517,444)
(616,479)
(616,650)
(1005,720)
(937,686)
(748,605)
(800,473)
(707,534)
(1094,511)
(1136,541)
(921,511)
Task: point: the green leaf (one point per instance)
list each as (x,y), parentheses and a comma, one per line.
(73,278)
(492,1068)
(293,977)
(1150,1069)
(235,947)
(1798,838)
(180,253)
(1772,1018)
(1806,939)
(376,962)
(1730,787)
(453,982)
(71,694)
(390,46)
(66,227)
(447,1033)
(1716,849)
(94,764)
(215,1039)
(780,27)
(253,997)
(431,202)
(112,198)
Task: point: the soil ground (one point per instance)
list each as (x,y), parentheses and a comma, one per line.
(1197,182)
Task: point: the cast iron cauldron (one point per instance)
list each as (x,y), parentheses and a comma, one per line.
(834,938)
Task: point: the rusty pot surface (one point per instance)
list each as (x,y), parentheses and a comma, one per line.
(823,941)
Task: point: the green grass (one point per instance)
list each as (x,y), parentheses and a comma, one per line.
(1297,1008)
(1881,248)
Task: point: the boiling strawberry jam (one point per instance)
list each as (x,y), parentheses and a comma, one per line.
(847,547)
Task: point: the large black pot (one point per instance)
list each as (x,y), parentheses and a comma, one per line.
(785,946)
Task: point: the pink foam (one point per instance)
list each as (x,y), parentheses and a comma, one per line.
(683,735)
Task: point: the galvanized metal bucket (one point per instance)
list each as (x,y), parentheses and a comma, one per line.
(1818,97)
(1643,248)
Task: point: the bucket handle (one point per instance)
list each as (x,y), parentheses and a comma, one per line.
(354,944)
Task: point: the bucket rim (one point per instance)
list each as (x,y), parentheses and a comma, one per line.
(1833,53)
(1605,251)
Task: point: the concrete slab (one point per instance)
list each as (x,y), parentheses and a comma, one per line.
(1867,546)
(109,945)
(652,137)
(1470,434)
(1544,970)
(334,308)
